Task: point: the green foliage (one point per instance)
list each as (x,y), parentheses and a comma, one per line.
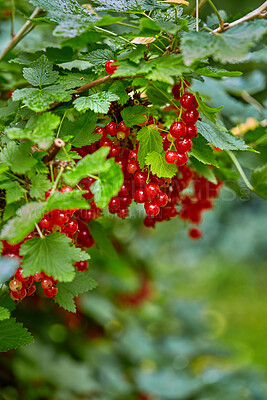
(133,115)
(40,73)
(150,140)
(99,102)
(81,129)
(13,335)
(159,166)
(259,181)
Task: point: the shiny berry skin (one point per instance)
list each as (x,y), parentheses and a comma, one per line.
(114,203)
(31,290)
(190,116)
(188,100)
(112,129)
(123,213)
(152,190)
(125,201)
(27,282)
(114,151)
(140,196)
(51,292)
(19,295)
(109,67)
(176,91)
(38,276)
(133,155)
(149,222)
(124,190)
(18,274)
(46,223)
(195,233)
(191,131)
(46,283)
(182,159)
(171,157)
(184,145)
(178,129)
(61,218)
(104,142)
(162,200)
(71,227)
(81,265)
(47,194)
(132,167)
(152,209)
(66,189)
(100,130)
(123,128)
(140,178)
(15,285)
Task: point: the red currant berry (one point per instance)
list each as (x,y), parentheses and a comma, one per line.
(19,295)
(114,151)
(81,265)
(132,167)
(100,130)
(61,218)
(46,283)
(105,142)
(38,276)
(15,285)
(195,233)
(66,189)
(140,178)
(46,223)
(171,157)
(51,292)
(188,100)
(124,191)
(178,129)
(112,129)
(140,196)
(162,200)
(176,91)
(123,213)
(149,222)
(184,145)
(182,159)
(152,209)
(110,67)
(71,227)
(152,190)
(190,116)
(191,131)
(125,201)
(31,290)
(114,203)
(123,128)
(133,155)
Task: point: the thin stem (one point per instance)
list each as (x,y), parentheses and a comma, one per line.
(114,34)
(176,14)
(197,15)
(124,24)
(12,18)
(198,7)
(15,40)
(52,173)
(57,180)
(39,230)
(250,100)
(61,122)
(217,13)
(163,94)
(240,170)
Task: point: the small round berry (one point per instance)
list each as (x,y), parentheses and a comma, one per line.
(31,290)
(188,100)
(171,157)
(190,116)
(105,142)
(61,218)
(152,190)
(114,151)
(112,129)
(81,265)
(121,135)
(38,276)
(184,145)
(152,209)
(140,178)
(132,167)
(15,285)
(162,200)
(100,130)
(178,129)
(149,222)
(19,295)
(114,203)
(18,274)
(110,67)
(191,131)
(133,155)
(123,213)
(66,189)
(124,190)
(46,223)
(51,292)
(140,196)
(182,159)
(123,128)
(195,233)
(176,91)
(46,283)
(71,227)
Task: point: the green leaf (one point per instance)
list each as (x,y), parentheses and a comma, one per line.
(216,72)
(13,335)
(4,313)
(54,254)
(22,224)
(134,55)
(219,138)
(67,201)
(150,140)
(10,210)
(82,283)
(108,184)
(41,72)
(39,185)
(259,180)
(202,151)
(74,80)
(81,130)
(167,67)
(39,129)
(99,102)
(98,57)
(14,191)
(203,169)
(90,164)
(230,46)
(207,110)
(18,157)
(102,241)
(8,268)
(118,88)
(134,115)
(159,166)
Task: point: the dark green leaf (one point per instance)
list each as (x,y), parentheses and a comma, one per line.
(18,157)
(102,241)
(39,185)
(134,115)
(202,151)
(41,72)
(81,130)
(13,335)
(259,181)
(204,170)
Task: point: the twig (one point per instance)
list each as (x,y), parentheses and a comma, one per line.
(250,100)
(258,12)
(217,14)
(240,170)
(197,15)
(53,150)
(20,33)
(92,84)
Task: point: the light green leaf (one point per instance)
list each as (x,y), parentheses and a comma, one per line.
(14,191)
(82,283)
(41,72)
(202,151)
(18,157)
(13,335)
(159,166)
(4,313)
(98,57)
(54,254)
(216,72)
(39,185)
(102,240)
(67,201)
(99,102)
(150,140)
(134,115)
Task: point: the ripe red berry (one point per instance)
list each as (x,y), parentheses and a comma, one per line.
(191,131)
(178,129)
(124,190)
(140,178)
(114,151)
(184,145)
(188,100)
(140,196)
(110,67)
(71,227)
(149,222)
(46,283)
(15,285)
(123,128)
(31,290)
(46,223)
(132,167)
(114,203)
(112,129)
(162,200)
(66,189)
(190,116)
(61,218)
(182,159)
(152,209)
(176,91)
(38,276)
(133,155)
(51,292)
(195,233)
(100,130)
(123,213)
(81,265)
(19,295)
(152,190)
(171,157)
